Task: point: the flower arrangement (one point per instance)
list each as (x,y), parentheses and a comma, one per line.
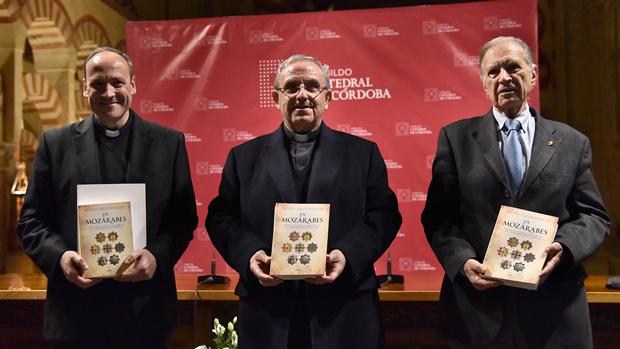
(225,337)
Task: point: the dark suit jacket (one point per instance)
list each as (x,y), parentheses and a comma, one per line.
(349,173)
(68,156)
(468,186)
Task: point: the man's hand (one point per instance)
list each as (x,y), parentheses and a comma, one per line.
(73,266)
(473,271)
(140,265)
(554,254)
(336,261)
(259,266)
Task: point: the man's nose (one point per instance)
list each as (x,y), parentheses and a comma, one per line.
(302,93)
(110,91)
(504,75)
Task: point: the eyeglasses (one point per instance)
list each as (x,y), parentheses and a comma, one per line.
(292,91)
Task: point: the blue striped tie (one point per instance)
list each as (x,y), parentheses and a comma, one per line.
(513,154)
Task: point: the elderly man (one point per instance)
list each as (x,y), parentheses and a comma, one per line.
(114,145)
(512,156)
(304,161)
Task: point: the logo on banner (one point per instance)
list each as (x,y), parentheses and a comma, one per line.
(423,266)
(259,36)
(407,129)
(431,95)
(255,37)
(233,135)
(192,138)
(369,30)
(492,23)
(432,27)
(172,74)
(405,264)
(202,168)
(373,31)
(312,33)
(230,135)
(354,130)
(407,195)
(200,104)
(392,164)
(153,42)
(435,95)
(429,27)
(146,106)
(464,60)
(403,195)
(315,33)
(149,106)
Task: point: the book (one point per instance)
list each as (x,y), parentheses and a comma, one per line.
(516,252)
(134,193)
(104,237)
(299,245)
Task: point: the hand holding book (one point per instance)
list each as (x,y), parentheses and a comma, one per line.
(259,266)
(335,263)
(73,266)
(554,255)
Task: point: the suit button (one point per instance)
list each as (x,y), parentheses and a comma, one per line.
(506,193)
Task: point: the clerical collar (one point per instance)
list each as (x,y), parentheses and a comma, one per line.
(301,138)
(102,130)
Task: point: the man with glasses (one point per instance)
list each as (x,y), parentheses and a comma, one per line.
(304,161)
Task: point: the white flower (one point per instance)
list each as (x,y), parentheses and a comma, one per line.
(201,347)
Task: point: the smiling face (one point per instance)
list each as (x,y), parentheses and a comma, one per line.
(109,87)
(507,77)
(301,112)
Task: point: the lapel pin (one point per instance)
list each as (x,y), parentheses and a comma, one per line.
(549,142)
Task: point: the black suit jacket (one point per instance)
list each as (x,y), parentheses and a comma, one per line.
(468,187)
(349,173)
(68,156)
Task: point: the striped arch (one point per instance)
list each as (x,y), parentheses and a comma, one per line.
(8,10)
(28,143)
(42,108)
(48,24)
(88,35)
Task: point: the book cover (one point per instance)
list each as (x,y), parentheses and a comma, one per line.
(299,246)
(104,237)
(516,251)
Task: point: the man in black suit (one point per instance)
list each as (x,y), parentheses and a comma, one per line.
(304,161)
(512,156)
(114,145)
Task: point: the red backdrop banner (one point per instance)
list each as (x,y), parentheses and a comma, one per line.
(398,76)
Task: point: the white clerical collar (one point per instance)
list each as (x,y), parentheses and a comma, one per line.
(112,133)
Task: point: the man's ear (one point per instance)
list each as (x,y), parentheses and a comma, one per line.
(276,96)
(84,88)
(133,85)
(534,74)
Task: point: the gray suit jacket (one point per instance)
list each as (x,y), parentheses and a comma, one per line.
(468,187)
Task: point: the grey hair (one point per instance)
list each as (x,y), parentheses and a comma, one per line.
(529,57)
(109,49)
(297,58)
